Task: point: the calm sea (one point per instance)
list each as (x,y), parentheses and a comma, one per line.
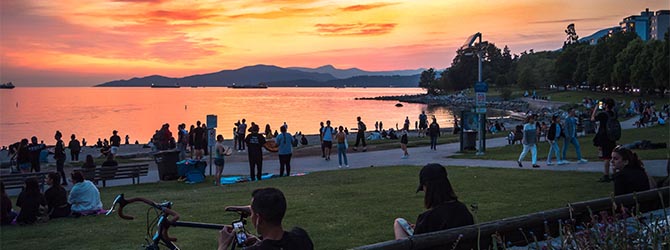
(93,113)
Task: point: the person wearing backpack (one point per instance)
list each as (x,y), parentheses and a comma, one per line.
(609,131)
(360,136)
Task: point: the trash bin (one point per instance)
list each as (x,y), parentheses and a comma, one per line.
(166,161)
(469,140)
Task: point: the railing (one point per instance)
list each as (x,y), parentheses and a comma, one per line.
(512,229)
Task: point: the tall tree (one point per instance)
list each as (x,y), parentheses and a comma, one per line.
(640,70)
(428,82)
(661,63)
(621,74)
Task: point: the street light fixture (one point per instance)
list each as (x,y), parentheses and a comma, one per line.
(475,46)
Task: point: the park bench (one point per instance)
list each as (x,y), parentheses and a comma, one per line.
(132,171)
(16,181)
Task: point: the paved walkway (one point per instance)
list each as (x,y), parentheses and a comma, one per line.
(419,156)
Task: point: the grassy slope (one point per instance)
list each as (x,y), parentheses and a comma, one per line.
(340,209)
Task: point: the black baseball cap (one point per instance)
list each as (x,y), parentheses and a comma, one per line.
(431,172)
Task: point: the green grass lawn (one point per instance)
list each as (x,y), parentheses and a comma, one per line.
(339,209)
(577,96)
(421,142)
(654,134)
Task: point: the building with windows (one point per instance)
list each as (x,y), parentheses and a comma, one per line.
(659,24)
(640,24)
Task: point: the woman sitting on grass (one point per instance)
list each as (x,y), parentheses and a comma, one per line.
(29,201)
(56,197)
(629,173)
(84,196)
(6,213)
(444,211)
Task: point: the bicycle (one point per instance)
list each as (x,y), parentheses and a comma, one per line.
(163,222)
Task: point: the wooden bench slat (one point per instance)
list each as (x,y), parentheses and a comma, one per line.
(132,171)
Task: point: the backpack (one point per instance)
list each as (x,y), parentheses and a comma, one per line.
(363,127)
(613,128)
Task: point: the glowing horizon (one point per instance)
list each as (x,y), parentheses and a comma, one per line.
(75,42)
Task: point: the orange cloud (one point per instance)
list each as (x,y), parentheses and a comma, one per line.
(281,13)
(354,29)
(362,7)
(179,15)
(139,1)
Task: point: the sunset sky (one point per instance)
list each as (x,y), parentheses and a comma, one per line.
(87,42)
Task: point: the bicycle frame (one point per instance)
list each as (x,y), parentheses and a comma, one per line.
(164,222)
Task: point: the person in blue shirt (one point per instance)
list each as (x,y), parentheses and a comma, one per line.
(555,132)
(327,132)
(285,142)
(570,137)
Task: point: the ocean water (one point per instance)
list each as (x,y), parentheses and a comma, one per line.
(94,113)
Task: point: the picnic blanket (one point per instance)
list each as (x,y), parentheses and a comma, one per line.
(240,178)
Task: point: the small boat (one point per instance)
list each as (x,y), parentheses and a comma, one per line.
(176,85)
(398,105)
(8,85)
(259,86)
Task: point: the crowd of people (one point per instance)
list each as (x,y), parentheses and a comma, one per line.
(268,205)
(83,199)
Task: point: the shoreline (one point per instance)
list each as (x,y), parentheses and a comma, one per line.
(461,101)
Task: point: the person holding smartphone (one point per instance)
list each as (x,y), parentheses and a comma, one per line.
(601,113)
(268,206)
(444,211)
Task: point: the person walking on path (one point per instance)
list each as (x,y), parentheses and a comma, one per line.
(529,141)
(403,144)
(433,132)
(241,132)
(115,141)
(423,124)
(342,146)
(601,140)
(360,135)
(405,126)
(255,142)
(327,132)
(74,147)
(219,159)
(285,142)
(323,149)
(571,137)
(59,156)
(555,132)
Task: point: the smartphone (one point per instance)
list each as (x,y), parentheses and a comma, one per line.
(600,104)
(240,234)
(405,226)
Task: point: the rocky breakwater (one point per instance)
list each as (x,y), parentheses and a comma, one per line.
(460,101)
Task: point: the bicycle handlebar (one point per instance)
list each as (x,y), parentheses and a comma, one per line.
(244,211)
(164,207)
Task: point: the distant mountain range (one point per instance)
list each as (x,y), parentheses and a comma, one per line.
(347,73)
(273,76)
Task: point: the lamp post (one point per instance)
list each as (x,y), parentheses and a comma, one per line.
(475,43)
